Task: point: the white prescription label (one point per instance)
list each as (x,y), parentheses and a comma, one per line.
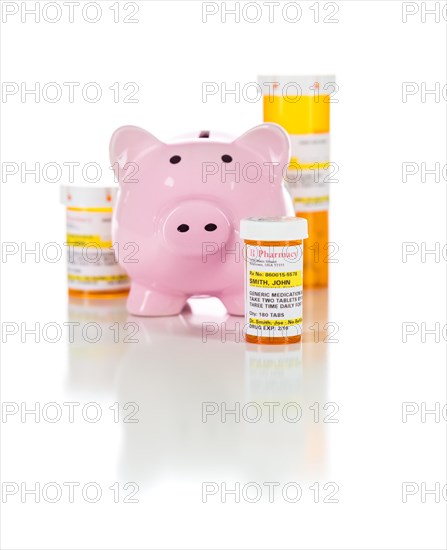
(92,265)
(310,172)
(273,290)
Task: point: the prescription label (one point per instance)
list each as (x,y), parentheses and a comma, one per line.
(274,290)
(91,260)
(310,172)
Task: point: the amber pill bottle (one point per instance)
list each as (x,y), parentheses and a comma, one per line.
(301,105)
(273,257)
(92,267)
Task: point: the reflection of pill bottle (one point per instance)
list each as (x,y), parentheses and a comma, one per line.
(273,256)
(98,339)
(274,372)
(93,270)
(301,104)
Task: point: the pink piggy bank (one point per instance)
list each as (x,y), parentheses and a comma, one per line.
(176,220)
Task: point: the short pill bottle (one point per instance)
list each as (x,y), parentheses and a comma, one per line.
(273,256)
(92,267)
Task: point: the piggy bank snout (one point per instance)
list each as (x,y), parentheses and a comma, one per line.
(194,224)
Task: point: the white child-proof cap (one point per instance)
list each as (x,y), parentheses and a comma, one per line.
(273,229)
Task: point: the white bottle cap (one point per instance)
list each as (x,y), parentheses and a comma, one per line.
(88,197)
(273,229)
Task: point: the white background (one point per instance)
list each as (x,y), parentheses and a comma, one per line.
(369,373)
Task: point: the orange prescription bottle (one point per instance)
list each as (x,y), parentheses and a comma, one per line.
(301,104)
(93,271)
(273,255)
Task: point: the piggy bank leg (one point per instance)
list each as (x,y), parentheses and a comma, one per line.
(151,303)
(234,302)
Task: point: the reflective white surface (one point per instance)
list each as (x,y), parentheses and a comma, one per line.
(305,418)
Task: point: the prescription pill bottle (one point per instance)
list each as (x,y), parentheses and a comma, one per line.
(273,255)
(301,105)
(92,268)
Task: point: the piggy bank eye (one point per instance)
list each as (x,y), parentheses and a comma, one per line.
(227,158)
(175,159)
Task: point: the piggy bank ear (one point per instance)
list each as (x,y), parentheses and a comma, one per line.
(270,140)
(128,143)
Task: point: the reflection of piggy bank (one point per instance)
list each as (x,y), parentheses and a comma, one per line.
(176,222)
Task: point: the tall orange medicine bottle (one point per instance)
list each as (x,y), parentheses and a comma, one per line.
(301,105)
